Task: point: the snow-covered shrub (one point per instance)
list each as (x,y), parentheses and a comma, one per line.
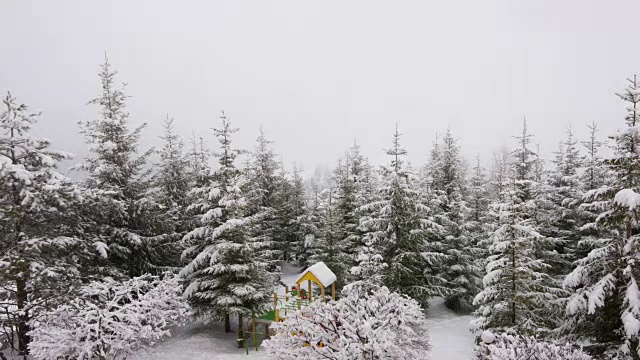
(110,319)
(509,347)
(374,324)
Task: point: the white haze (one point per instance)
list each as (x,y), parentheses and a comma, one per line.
(318,75)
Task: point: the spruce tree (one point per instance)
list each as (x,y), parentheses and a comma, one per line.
(498,178)
(400,224)
(173,181)
(604,308)
(519,295)
(328,246)
(460,270)
(478,207)
(224,277)
(561,217)
(478,217)
(264,190)
(593,176)
(41,259)
(297,202)
(125,218)
(355,188)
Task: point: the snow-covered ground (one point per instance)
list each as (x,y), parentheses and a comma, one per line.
(449,334)
(199,342)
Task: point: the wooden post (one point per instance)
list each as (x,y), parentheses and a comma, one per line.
(276,318)
(266,330)
(333,291)
(253,328)
(322,291)
(286,293)
(240,336)
(309,295)
(299,307)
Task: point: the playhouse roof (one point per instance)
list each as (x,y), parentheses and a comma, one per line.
(321,272)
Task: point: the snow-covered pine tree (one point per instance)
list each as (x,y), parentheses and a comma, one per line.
(346,206)
(355,188)
(604,308)
(479,229)
(264,183)
(500,172)
(327,246)
(297,202)
(593,176)
(518,294)
(40,257)
(288,236)
(460,268)
(125,217)
(560,216)
(289,233)
(311,222)
(432,195)
(400,224)
(173,181)
(367,263)
(198,158)
(478,200)
(224,277)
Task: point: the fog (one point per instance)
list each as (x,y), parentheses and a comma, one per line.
(319,75)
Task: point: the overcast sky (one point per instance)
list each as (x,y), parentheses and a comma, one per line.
(319,74)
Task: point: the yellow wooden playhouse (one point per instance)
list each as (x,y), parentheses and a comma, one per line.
(299,290)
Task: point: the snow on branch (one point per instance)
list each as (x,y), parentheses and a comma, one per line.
(110,319)
(509,347)
(370,324)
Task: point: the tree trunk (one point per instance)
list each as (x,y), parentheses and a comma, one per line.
(240,332)
(23,318)
(227,323)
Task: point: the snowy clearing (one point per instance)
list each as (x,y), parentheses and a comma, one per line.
(449,332)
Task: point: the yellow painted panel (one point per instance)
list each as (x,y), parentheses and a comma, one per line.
(309,276)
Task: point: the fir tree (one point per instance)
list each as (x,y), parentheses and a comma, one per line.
(518,294)
(561,195)
(124,217)
(264,196)
(328,246)
(594,175)
(498,179)
(298,211)
(460,271)
(223,276)
(604,308)
(478,207)
(173,180)
(41,259)
(400,224)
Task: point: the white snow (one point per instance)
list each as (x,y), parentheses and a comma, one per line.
(289,273)
(488,337)
(199,342)
(627,198)
(322,272)
(449,333)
